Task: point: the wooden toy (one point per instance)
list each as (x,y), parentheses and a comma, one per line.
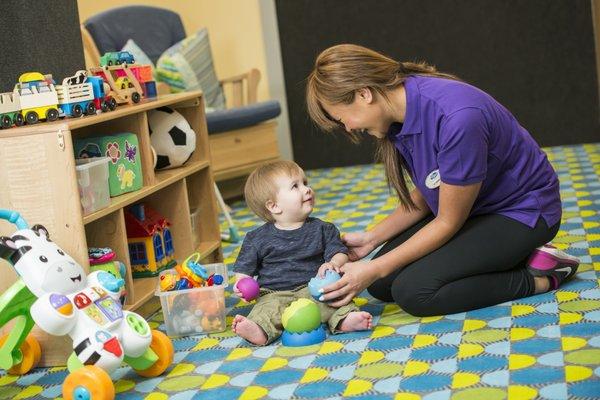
(76,96)
(123,90)
(10,110)
(38,98)
(116,58)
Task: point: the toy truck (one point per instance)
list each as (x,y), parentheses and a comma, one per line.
(76,96)
(38,97)
(10,110)
(124,86)
(102,99)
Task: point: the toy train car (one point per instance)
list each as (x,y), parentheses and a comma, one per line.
(82,94)
(10,110)
(36,97)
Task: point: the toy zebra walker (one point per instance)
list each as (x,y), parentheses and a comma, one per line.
(54,293)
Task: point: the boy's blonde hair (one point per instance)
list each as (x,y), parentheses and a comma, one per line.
(260,186)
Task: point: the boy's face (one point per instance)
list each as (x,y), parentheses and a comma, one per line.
(294,200)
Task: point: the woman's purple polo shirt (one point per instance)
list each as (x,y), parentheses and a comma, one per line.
(457,133)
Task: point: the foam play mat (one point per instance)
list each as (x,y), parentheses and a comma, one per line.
(542,347)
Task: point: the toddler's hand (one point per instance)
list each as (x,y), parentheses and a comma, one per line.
(325,266)
(236,291)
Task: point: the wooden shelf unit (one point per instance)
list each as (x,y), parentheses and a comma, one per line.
(37,179)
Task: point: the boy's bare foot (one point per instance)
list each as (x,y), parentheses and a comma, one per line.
(248,330)
(356,321)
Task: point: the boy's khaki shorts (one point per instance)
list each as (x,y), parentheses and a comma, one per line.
(269,307)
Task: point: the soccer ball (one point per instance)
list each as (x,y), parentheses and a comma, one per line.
(171,136)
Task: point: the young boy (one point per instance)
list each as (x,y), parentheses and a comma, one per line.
(286,252)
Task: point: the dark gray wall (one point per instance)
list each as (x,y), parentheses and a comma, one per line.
(535,56)
(41,36)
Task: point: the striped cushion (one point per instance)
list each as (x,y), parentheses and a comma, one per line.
(188,65)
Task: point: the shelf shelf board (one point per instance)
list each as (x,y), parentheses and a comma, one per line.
(178,99)
(124,110)
(143,290)
(207,247)
(163,179)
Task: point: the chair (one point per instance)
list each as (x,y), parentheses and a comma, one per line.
(241,137)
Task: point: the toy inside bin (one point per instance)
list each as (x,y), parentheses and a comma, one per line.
(92,179)
(198,310)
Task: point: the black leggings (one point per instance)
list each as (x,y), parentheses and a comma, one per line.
(482,265)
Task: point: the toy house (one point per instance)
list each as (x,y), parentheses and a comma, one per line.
(150,241)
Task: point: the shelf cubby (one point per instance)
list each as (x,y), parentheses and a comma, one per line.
(37,179)
(109,231)
(201,199)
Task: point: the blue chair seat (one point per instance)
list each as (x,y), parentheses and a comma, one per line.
(241,117)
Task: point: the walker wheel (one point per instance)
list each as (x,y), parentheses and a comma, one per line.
(162,346)
(88,383)
(32,352)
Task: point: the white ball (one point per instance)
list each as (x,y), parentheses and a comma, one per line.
(171,136)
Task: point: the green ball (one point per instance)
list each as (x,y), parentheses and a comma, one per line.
(302,315)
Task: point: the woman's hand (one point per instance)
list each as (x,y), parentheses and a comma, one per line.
(359,244)
(357,276)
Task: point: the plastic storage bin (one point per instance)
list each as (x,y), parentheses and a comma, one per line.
(125,168)
(198,310)
(92,179)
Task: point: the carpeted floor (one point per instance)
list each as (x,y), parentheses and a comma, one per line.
(545,346)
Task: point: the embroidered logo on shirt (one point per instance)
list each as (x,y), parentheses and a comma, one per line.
(433,179)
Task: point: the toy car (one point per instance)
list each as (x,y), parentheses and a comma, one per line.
(116,58)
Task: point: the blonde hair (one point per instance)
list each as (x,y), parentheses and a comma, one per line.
(261,187)
(339,72)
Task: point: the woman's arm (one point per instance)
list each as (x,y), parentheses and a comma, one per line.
(455,206)
(454,209)
(360,244)
(399,220)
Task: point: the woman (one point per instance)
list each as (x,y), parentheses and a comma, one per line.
(472,231)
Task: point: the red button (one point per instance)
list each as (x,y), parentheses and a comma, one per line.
(113,346)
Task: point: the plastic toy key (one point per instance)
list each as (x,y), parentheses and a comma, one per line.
(54,292)
(192,270)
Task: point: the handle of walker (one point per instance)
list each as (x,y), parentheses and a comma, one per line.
(13,217)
